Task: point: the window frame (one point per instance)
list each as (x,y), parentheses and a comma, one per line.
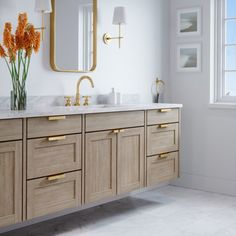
(220,52)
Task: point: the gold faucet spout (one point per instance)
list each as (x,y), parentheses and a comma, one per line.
(77,100)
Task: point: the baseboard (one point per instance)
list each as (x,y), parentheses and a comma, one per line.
(210,184)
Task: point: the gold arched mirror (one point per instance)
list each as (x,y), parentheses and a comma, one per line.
(74,35)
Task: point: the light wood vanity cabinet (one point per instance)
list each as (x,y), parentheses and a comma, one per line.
(162,145)
(52,164)
(10,172)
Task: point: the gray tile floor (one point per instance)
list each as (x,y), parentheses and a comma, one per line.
(168,211)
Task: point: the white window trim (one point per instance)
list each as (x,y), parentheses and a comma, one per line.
(218,99)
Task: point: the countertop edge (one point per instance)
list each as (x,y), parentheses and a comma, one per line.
(57,111)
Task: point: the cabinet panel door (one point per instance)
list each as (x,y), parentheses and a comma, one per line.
(52,157)
(10,183)
(47,196)
(130,160)
(162,139)
(100,166)
(161,169)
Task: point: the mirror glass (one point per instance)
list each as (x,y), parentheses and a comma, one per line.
(73,35)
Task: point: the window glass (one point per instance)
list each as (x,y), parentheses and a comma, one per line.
(230,8)
(230,58)
(230,83)
(231,31)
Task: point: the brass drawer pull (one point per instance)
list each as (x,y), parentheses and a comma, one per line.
(58,138)
(163,126)
(56,177)
(116,131)
(163,156)
(164,110)
(122,130)
(56,118)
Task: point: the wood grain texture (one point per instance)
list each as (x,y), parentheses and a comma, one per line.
(48,158)
(157,117)
(162,170)
(162,140)
(10,130)
(130,160)
(10,183)
(116,120)
(100,166)
(42,127)
(47,197)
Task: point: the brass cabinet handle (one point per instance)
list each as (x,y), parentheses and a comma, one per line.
(56,177)
(58,138)
(163,156)
(163,126)
(116,131)
(122,130)
(56,118)
(164,110)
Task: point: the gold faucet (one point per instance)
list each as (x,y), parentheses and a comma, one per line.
(77,100)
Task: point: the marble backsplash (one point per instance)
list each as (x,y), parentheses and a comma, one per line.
(47,101)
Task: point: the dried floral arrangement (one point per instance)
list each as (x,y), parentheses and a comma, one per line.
(17,50)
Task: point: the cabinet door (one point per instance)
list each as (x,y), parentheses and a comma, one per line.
(130,160)
(100,166)
(10,183)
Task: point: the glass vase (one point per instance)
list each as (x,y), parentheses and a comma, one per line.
(18,99)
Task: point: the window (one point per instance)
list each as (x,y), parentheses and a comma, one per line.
(226,51)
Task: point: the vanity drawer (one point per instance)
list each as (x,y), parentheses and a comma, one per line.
(52,194)
(161,168)
(49,156)
(116,120)
(161,116)
(10,130)
(55,125)
(162,138)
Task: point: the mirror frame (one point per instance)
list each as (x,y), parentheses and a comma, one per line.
(53,37)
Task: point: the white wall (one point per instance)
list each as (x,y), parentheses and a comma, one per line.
(143,56)
(208,158)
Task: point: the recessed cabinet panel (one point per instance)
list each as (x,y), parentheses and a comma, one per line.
(130,160)
(161,116)
(100,166)
(47,196)
(115,120)
(57,125)
(10,183)
(160,170)
(162,139)
(47,157)
(10,130)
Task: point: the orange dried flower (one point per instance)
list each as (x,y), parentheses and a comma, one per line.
(2,51)
(30,29)
(7,39)
(37,41)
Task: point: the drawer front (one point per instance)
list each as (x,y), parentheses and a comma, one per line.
(10,130)
(162,168)
(57,125)
(49,156)
(162,116)
(116,120)
(53,194)
(162,139)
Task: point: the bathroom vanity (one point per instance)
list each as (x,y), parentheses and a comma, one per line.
(69,158)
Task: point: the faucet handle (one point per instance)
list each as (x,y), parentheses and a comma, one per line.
(68,102)
(86,100)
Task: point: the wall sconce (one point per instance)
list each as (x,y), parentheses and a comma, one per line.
(119,18)
(43,7)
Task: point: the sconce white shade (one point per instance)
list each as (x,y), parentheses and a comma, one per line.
(44,6)
(119,16)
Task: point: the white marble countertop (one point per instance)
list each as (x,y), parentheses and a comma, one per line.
(60,110)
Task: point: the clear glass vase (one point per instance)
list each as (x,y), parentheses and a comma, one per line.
(18,99)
